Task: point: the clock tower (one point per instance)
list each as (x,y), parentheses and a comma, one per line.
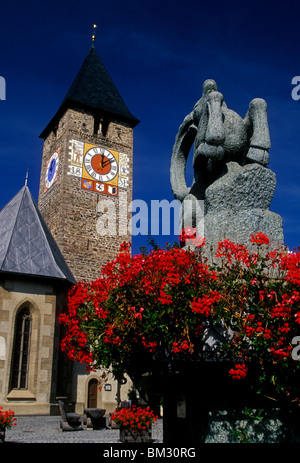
(86,173)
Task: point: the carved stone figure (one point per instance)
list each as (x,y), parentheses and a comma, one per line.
(69,421)
(231,179)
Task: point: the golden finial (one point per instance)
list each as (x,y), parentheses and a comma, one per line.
(94,32)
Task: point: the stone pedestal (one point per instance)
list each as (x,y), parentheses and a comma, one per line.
(142,435)
(2,435)
(97,417)
(203,404)
(237,205)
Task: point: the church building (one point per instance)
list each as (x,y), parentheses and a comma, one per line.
(77,226)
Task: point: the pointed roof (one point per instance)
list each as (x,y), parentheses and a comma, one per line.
(26,244)
(93,89)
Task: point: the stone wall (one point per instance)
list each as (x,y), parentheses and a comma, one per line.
(263,426)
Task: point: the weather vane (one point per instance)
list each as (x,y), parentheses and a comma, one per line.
(94,32)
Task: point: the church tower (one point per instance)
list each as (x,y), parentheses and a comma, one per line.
(86,173)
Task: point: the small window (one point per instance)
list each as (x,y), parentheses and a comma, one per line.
(96,125)
(100,126)
(20,360)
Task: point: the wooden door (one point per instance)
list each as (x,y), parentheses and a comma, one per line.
(92,393)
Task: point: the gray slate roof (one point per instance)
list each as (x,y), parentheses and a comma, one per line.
(93,89)
(26,244)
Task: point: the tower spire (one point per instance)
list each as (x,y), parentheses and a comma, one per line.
(93,88)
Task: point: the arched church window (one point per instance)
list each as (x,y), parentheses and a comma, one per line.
(21,351)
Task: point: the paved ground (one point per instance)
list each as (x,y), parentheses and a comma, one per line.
(46,429)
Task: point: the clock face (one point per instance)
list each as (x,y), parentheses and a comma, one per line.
(51,170)
(101,164)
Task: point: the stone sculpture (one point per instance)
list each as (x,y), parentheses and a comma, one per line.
(97,417)
(69,421)
(231,179)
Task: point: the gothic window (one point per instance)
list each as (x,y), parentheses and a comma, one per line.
(20,359)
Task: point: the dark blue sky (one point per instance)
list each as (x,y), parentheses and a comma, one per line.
(158,54)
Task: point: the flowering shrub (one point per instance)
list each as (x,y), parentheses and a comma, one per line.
(149,312)
(135,418)
(239,371)
(7,418)
(189,237)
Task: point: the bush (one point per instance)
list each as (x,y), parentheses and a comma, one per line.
(150,312)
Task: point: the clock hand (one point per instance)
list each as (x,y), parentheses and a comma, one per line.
(104,163)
